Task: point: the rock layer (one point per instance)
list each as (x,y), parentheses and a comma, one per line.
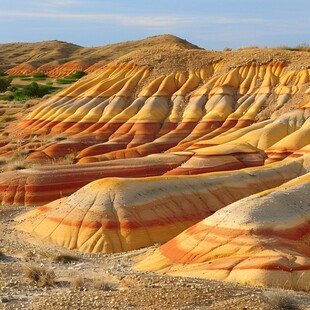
(162,139)
(258,240)
(112,215)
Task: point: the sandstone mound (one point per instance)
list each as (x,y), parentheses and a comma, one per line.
(162,138)
(209,115)
(258,240)
(69,67)
(41,53)
(22,69)
(112,215)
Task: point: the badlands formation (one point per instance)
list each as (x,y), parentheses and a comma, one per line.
(206,151)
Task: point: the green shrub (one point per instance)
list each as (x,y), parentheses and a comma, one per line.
(7,97)
(35,90)
(39,75)
(66,81)
(12,88)
(78,74)
(5,82)
(3,73)
(72,78)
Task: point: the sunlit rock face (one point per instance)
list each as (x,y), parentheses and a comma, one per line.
(259,240)
(120,214)
(211,117)
(22,69)
(162,140)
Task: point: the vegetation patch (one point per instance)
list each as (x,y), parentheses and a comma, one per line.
(33,90)
(38,275)
(72,78)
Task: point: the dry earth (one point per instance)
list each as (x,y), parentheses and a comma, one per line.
(88,281)
(41,53)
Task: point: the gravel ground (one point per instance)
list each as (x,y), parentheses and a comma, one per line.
(71,280)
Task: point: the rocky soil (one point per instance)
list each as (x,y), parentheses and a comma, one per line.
(42,276)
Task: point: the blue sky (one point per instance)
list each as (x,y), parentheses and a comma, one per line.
(211,24)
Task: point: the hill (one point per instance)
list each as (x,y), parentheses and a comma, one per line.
(43,53)
(204,152)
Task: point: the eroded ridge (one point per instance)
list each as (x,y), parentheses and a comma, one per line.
(119,214)
(258,240)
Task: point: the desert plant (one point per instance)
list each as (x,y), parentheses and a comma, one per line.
(5,82)
(65,258)
(68,159)
(304,47)
(65,81)
(25,78)
(16,165)
(69,79)
(12,88)
(39,75)
(78,74)
(39,275)
(3,161)
(2,255)
(279,299)
(77,282)
(105,285)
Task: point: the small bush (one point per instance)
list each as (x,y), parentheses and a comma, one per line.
(77,75)
(38,275)
(7,97)
(303,47)
(5,82)
(12,88)
(39,75)
(71,78)
(16,165)
(34,90)
(279,299)
(65,258)
(65,81)
(77,282)
(104,285)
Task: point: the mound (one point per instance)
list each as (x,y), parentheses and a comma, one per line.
(211,114)
(165,136)
(113,215)
(22,69)
(41,53)
(258,240)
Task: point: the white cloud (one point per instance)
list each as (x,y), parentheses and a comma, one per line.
(53,4)
(143,21)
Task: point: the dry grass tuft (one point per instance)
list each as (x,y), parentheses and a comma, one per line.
(16,165)
(69,159)
(279,299)
(2,255)
(65,258)
(103,284)
(77,282)
(38,275)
